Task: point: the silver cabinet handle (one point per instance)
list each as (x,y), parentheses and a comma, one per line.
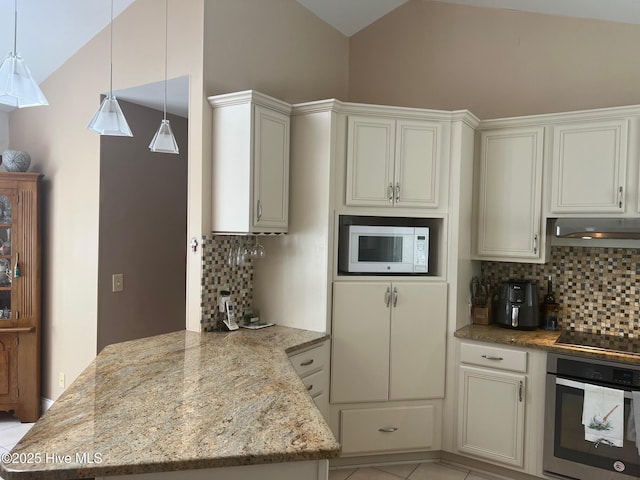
(390,192)
(398,192)
(620,197)
(310,387)
(387,297)
(259,210)
(395,296)
(520,388)
(306,363)
(388,429)
(535,243)
(491,357)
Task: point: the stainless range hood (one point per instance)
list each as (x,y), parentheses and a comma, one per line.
(605,228)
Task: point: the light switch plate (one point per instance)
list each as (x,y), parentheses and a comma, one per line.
(117,282)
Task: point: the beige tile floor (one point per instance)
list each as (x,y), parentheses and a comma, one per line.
(415,471)
(11,431)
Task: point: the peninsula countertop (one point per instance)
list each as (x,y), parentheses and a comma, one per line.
(179,401)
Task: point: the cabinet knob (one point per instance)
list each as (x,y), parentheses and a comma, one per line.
(310,387)
(490,357)
(306,363)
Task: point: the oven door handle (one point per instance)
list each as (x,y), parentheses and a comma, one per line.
(579,385)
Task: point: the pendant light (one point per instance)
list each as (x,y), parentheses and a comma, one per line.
(17,86)
(164,141)
(109,119)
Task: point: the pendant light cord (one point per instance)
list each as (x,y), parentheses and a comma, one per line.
(15,28)
(111,53)
(166,47)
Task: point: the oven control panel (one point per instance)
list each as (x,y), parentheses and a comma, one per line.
(605,373)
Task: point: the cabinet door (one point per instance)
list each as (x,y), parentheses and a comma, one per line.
(491,415)
(271,169)
(360,342)
(510,193)
(417,164)
(589,167)
(370,150)
(418,337)
(8,368)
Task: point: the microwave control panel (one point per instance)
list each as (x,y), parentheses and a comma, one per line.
(421,250)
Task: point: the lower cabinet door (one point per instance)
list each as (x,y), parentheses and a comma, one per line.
(8,368)
(371,430)
(491,415)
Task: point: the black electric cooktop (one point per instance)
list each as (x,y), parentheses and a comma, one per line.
(599,341)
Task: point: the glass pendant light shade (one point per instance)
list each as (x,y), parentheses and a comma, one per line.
(164,141)
(17,86)
(109,119)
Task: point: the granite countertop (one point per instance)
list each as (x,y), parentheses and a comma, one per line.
(539,339)
(179,401)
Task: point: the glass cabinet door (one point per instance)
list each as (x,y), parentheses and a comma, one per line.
(5,257)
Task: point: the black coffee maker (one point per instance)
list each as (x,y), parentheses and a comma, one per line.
(516,305)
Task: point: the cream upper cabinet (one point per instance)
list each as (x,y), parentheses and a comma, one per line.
(250,183)
(393,162)
(509,195)
(589,167)
(388,341)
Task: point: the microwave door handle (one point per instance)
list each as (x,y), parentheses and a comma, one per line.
(579,385)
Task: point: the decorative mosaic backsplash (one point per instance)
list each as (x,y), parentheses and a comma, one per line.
(220,269)
(597,288)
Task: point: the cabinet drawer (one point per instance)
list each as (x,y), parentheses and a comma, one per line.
(311,360)
(316,383)
(494,357)
(387,429)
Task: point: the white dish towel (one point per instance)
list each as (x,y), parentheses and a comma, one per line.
(603,415)
(633,434)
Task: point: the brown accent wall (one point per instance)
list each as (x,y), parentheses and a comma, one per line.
(496,63)
(143,223)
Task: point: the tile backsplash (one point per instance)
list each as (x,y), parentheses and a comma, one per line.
(597,288)
(219,269)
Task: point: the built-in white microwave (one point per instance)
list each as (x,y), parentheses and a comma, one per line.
(384,249)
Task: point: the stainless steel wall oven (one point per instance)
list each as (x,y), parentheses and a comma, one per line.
(566,452)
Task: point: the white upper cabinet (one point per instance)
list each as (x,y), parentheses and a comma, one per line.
(509,195)
(393,162)
(250,183)
(589,167)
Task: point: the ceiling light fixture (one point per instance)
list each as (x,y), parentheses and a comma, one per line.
(17,86)
(164,141)
(109,119)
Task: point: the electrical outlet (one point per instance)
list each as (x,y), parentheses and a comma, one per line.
(61,379)
(117,282)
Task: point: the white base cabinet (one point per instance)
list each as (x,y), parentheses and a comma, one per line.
(312,365)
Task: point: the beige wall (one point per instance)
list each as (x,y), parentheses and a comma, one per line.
(496,63)
(69,154)
(4,131)
(277,47)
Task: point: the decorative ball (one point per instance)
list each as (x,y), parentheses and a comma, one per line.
(16,160)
